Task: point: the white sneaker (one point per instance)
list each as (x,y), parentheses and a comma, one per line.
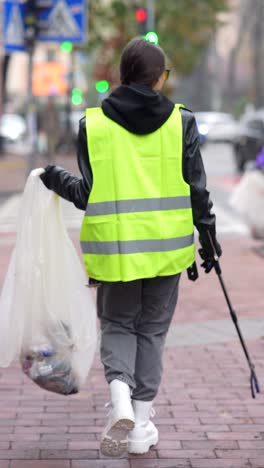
(121,420)
(145,434)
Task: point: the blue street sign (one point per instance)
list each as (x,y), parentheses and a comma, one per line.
(13,27)
(57,20)
(64,20)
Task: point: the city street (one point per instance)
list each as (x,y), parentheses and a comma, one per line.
(204,411)
(218,161)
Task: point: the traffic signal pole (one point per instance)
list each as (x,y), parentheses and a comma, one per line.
(30,38)
(1,99)
(151,15)
(31,117)
(1,73)
(68,107)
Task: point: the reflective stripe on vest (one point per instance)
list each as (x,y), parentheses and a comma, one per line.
(137,246)
(136,206)
(138,222)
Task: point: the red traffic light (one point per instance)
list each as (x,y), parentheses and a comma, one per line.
(141,15)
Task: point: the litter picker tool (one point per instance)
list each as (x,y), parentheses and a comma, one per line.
(253,378)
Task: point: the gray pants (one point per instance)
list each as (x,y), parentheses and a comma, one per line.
(135,317)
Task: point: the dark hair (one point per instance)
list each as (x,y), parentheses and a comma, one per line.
(141,62)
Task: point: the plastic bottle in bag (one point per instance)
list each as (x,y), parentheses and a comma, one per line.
(50,370)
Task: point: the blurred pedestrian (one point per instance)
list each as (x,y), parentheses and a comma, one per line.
(247,197)
(260,160)
(143,189)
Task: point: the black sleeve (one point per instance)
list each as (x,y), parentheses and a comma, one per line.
(194,175)
(72,188)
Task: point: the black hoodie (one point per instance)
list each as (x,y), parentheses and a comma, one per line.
(140,110)
(137,108)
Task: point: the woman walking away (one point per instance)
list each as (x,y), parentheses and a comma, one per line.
(143,189)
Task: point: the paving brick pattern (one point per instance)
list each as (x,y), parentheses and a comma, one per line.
(204,411)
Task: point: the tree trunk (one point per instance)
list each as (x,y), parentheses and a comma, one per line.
(258,49)
(246,20)
(201,96)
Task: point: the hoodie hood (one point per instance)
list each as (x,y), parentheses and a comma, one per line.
(137,108)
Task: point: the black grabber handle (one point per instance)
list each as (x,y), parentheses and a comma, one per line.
(253,377)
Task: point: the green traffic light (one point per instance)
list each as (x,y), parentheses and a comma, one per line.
(66,46)
(77,100)
(152,37)
(76,91)
(102,86)
(77,97)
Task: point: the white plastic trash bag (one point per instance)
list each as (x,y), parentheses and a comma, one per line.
(248,199)
(47,315)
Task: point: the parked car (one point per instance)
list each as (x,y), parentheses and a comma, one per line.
(13,127)
(217,127)
(250,139)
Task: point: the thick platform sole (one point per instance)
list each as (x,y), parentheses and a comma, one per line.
(114,442)
(142,446)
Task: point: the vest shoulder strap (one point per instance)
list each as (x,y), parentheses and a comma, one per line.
(92,113)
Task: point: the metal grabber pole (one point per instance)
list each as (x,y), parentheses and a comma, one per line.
(253,378)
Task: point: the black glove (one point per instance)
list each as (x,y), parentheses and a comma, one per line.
(210,249)
(45,176)
(208,263)
(93,283)
(192,272)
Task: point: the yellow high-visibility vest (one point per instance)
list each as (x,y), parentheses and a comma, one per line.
(138,222)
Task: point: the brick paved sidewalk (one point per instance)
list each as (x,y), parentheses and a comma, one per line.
(205,413)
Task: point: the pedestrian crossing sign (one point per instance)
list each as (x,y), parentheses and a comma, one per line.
(57,21)
(13,27)
(65,20)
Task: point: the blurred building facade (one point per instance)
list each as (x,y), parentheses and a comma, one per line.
(17,78)
(229,73)
(227,77)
